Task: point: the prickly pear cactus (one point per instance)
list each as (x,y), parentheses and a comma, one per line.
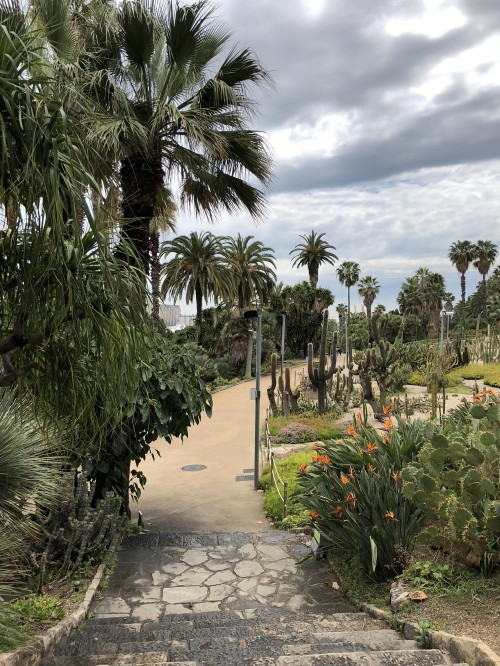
(456,479)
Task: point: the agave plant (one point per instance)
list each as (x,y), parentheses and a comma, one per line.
(29,474)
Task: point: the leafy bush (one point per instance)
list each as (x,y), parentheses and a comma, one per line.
(295,433)
(413,353)
(353,491)
(417,378)
(456,480)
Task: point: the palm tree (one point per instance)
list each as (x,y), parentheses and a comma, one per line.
(252,267)
(313,252)
(348,275)
(485,253)
(198,268)
(172,115)
(368,289)
(461,253)
(163,221)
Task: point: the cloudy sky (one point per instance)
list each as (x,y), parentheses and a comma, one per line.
(384,126)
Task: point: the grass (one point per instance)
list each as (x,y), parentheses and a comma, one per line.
(287,469)
(25,617)
(325,426)
(488,372)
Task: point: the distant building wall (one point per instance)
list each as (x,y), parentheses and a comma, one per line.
(170,314)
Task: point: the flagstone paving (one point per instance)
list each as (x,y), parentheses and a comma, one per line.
(230,599)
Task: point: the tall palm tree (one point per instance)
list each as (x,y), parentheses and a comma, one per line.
(198,268)
(163,221)
(461,253)
(348,275)
(368,289)
(178,109)
(252,267)
(313,252)
(485,253)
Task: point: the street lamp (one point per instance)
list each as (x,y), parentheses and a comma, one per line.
(445,314)
(255,314)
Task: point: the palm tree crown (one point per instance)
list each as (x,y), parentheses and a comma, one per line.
(485,254)
(197,267)
(368,289)
(461,253)
(177,109)
(313,252)
(348,275)
(252,267)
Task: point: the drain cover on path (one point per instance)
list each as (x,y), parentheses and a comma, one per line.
(193,468)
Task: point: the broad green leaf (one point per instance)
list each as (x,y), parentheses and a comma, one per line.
(474,457)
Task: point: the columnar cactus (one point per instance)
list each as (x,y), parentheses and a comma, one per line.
(271,389)
(293,394)
(319,376)
(378,364)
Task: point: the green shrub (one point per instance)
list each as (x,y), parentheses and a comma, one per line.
(353,491)
(456,480)
(417,378)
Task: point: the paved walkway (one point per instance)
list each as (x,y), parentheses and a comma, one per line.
(210,499)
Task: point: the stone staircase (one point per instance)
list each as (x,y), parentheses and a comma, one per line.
(229,600)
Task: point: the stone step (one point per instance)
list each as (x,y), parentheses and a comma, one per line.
(150,659)
(383,658)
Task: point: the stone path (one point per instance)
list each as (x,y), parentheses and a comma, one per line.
(212,585)
(230,599)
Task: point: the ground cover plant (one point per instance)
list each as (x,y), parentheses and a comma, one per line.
(288,469)
(325,427)
(488,372)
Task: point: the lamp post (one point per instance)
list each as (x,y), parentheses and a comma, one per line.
(443,315)
(256,314)
(283,319)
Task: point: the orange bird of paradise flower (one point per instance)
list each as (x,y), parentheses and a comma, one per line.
(313,514)
(386,409)
(352,431)
(344,480)
(388,424)
(390,516)
(371,447)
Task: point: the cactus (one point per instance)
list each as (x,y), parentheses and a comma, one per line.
(285,397)
(456,480)
(378,364)
(293,395)
(320,375)
(271,389)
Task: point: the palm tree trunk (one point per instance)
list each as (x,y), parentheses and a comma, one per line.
(485,298)
(199,304)
(313,275)
(248,369)
(462,284)
(347,355)
(140,182)
(154,246)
